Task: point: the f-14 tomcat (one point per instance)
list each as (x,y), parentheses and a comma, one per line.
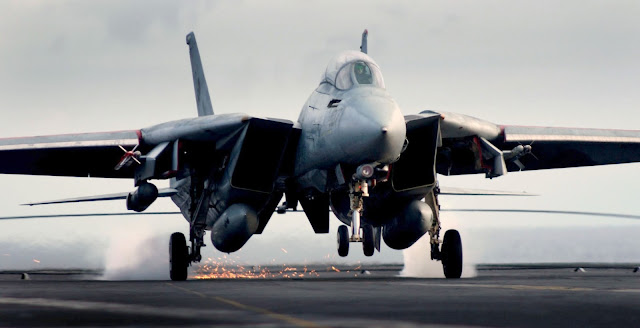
(351,151)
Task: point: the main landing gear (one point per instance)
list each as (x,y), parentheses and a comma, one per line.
(178,257)
(450,253)
(357,190)
(181,256)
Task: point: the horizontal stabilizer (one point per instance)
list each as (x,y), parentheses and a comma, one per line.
(164,192)
(480,192)
(75,215)
(603,214)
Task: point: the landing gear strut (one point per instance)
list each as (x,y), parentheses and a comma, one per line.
(358,189)
(197,242)
(450,252)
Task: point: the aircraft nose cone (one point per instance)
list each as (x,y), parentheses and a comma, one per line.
(376,128)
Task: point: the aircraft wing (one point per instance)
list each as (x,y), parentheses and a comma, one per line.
(77,155)
(571,147)
(470,146)
(98,154)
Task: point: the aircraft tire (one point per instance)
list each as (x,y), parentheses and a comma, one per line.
(178,257)
(343,240)
(452,254)
(368,243)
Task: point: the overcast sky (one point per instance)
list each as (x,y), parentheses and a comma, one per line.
(83,66)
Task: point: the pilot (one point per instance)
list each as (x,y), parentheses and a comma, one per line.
(363,74)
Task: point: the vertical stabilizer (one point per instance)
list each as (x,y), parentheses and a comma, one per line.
(363,45)
(203,99)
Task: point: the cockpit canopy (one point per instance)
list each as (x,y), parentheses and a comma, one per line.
(352,68)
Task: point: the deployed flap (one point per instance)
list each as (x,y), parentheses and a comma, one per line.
(203,99)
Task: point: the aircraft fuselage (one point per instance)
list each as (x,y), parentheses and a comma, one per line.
(359,125)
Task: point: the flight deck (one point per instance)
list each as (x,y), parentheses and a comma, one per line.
(330,296)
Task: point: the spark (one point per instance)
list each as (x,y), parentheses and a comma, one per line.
(284,250)
(226,268)
(334,269)
(37,261)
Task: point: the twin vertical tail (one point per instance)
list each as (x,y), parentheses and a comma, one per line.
(363,45)
(203,99)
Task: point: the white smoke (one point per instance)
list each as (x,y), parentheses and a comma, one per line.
(138,253)
(132,257)
(417,258)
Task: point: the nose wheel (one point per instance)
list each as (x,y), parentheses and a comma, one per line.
(343,240)
(368,241)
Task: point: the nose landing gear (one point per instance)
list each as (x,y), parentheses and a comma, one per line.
(357,189)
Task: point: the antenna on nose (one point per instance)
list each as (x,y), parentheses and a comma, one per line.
(363,45)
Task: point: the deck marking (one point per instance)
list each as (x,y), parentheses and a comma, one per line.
(282,317)
(515,287)
(527,287)
(120,308)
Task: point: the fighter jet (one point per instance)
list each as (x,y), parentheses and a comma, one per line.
(352,152)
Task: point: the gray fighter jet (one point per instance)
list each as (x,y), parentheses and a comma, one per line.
(351,152)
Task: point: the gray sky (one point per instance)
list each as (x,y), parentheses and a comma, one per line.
(82,66)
